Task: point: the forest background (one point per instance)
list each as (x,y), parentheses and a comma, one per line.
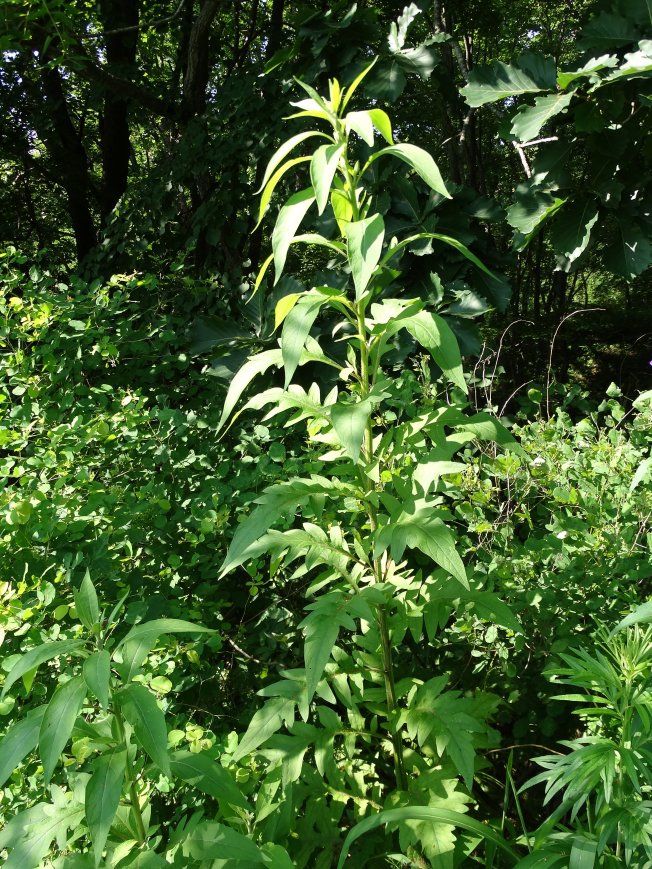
(233,637)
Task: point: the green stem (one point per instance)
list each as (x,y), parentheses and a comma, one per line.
(131,781)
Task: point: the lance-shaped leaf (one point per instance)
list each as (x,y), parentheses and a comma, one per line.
(363,124)
(139,707)
(420,161)
(296,329)
(288,221)
(266,195)
(571,231)
(137,644)
(350,422)
(102,797)
(255,365)
(35,657)
(364,247)
(323,166)
(321,630)
(426,532)
(58,722)
(97,675)
(284,150)
(265,723)
(88,609)
(436,336)
(275,502)
(209,841)
(19,740)
(529,120)
(202,772)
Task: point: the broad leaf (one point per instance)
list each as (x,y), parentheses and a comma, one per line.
(86,603)
(364,247)
(571,231)
(605,32)
(202,772)
(97,675)
(209,841)
(420,161)
(29,833)
(498,81)
(19,741)
(35,657)
(631,253)
(436,336)
(288,221)
(264,723)
(531,208)
(529,120)
(58,722)
(322,169)
(102,797)
(349,420)
(139,707)
(590,68)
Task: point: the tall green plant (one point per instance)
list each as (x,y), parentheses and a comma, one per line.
(376,492)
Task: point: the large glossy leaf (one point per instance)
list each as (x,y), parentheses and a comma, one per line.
(420,161)
(141,710)
(204,773)
(498,81)
(254,366)
(323,166)
(35,657)
(529,120)
(97,675)
(364,247)
(436,336)
(19,740)
(288,221)
(425,813)
(571,231)
(102,797)
(296,329)
(58,722)
(86,604)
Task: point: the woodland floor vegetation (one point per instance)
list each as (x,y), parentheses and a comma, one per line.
(325,512)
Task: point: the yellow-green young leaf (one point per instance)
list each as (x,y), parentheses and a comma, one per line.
(296,330)
(58,722)
(350,422)
(97,675)
(262,272)
(360,123)
(347,93)
(342,209)
(102,797)
(284,150)
(35,657)
(365,244)
(86,604)
(203,773)
(255,365)
(266,195)
(284,306)
(382,123)
(287,223)
(420,161)
(436,336)
(141,710)
(335,93)
(311,109)
(19,740)
(323,166)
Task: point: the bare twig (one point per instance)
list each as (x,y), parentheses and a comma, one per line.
(552,347)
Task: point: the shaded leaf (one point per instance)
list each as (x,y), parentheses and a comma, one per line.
(58,722)
(19,741)
(571,231)
(364,247)
(202,772)
(264,723)
(102,797)
(529,120)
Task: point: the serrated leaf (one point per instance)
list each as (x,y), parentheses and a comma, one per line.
(424,813)
(97,675)
(139,707)
(531,209)
(398,30)
(590,68)
(321,633)
(421,530)
(19,741)
(323,166)
(264,723)
(498,81)
(296,329)
(35,657)
(364,247)
(29,834)
(529,120)
(254,366)
(436,336)
(419,160)
(350,422)
(288,221)
(571,231)
(202,772)
(88,609)
(606,31)
(102,797)
(58,722)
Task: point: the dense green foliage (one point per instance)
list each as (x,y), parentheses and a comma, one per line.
(282,584)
